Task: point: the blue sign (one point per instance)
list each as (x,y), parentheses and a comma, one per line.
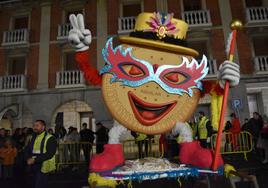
(237,103)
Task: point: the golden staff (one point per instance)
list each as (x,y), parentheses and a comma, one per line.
(235,25)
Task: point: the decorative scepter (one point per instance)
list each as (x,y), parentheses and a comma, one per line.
(235,25)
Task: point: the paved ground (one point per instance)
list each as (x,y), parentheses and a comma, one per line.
(78,178)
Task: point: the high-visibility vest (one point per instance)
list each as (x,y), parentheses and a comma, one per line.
(141,137)
(202,128)
(50,164)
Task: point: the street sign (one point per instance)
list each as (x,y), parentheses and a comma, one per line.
(237,104)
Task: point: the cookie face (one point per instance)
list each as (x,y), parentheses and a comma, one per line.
(147,101)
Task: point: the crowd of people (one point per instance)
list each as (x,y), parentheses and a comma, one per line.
(16,149)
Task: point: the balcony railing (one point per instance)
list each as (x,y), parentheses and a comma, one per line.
(212,68)
(63,31)
(261,64)
(12,83)
(70,79)
(198,18)
(126,24)
(16,37)
(256,15)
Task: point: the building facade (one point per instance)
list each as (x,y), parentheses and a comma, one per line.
(40,79)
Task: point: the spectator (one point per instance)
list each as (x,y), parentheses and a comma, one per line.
(2,137)
(254,126)
(8,153)
(172,145)
(235,124)
(63,149)
(2,141)
(204,129)
(163,145)
(140,140)
(8,133)
(72,139)
(18,138)
(235,130)
(263,140)
(87,136)
(24,131)
(102,137)
(228,126)
(28,137)
(40,154)
(60,134)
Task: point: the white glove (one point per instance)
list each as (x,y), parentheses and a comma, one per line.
(229,71)
(79,37)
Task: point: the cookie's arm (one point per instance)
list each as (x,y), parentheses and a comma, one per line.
(91,74)
(80,39)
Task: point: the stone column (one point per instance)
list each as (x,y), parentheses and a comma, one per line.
(44,46)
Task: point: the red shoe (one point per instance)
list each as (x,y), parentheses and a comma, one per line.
(192,153)
(111,158)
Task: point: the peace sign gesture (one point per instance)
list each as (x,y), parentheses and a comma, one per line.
(79,37)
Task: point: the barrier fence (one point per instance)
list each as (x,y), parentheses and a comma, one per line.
(73,153)
(76,153)
(150,148)
(234,143)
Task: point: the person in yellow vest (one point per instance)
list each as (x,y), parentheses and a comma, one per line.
(140,140)
(204,129)
(40,154)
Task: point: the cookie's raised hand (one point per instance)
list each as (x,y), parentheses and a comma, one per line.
(229,71)
(79,37)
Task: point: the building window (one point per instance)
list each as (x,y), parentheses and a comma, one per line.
(192,5)
(201,47)
(253,3)
(69,62)
(21,22)
(260,45)
(131,9)
(16,66)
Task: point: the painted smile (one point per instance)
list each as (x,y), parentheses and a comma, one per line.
(149,113)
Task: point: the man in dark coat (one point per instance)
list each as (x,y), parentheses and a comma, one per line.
(87,137)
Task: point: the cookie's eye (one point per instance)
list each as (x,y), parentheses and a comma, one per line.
(175,78)
(132,70)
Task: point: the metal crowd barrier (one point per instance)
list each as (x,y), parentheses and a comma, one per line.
(72,153)
(234,143)
(131,151)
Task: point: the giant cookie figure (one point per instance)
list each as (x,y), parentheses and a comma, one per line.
(151,84)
